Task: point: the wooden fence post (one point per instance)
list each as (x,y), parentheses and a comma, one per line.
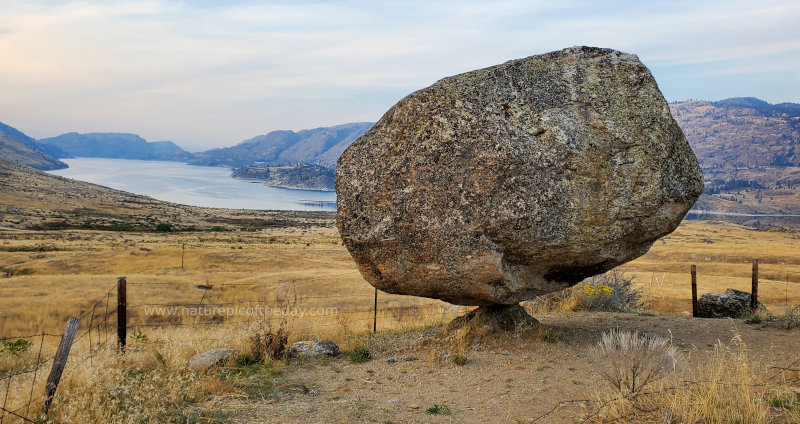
(754,290)
(375,313)
(183,249)
(122,313)
(694,290)
(60,361)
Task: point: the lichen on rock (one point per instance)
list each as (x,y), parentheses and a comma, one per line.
(501,184)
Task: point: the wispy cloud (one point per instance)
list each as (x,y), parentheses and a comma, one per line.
(214,73)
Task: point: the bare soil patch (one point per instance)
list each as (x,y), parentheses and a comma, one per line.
(527,377)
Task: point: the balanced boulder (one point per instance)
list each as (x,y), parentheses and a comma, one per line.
(501,184)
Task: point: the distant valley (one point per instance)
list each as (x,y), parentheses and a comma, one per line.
(749,151)
(305,159)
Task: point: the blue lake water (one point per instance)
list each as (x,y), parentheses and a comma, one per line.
(193,185)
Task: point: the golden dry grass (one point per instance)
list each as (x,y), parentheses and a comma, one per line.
(54,275)
(723,253)
(60,274)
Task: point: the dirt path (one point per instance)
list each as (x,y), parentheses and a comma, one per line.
(516,380)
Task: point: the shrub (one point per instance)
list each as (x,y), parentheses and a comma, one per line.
(630,361)
(16,347)
(164,227)
(266,343)
(439,410)
(612,291)
(458,359)
(360,354)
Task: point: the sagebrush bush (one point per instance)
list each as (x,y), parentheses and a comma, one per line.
(612,291)
(632,361)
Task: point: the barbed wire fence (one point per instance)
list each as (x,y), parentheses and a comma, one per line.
(105,325)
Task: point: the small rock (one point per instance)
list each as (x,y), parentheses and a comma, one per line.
(209,359)
(394,401)
(391,360)
(408,359)
(313,348)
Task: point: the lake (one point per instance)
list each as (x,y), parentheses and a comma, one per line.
(193,185)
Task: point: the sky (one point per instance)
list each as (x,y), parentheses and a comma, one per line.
(213,73)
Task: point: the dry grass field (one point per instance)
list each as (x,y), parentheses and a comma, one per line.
(48,276)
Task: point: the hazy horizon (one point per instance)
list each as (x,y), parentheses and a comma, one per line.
(208,74)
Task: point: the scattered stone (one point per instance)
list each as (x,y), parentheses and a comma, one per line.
(731,304)
(501,184)
(408,359)
(313,348)
(209,359)
(391,360)
(394,401)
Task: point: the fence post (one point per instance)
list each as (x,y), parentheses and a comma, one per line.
(754,290)
(60,361)
(183,249)
(694,291)
(122,315)
(375,313)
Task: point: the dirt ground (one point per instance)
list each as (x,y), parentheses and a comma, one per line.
(544,378)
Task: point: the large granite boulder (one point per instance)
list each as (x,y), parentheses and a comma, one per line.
(731,304)
(505,183)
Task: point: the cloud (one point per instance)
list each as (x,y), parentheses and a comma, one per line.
(213,73)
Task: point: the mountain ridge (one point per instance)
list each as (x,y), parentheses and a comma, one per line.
(316,146)
(116,146)
(19,148)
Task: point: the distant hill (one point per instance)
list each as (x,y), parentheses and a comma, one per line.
(321,146)
(116,146)
(17,147)
(741,132)
(307,177)
(749,151)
